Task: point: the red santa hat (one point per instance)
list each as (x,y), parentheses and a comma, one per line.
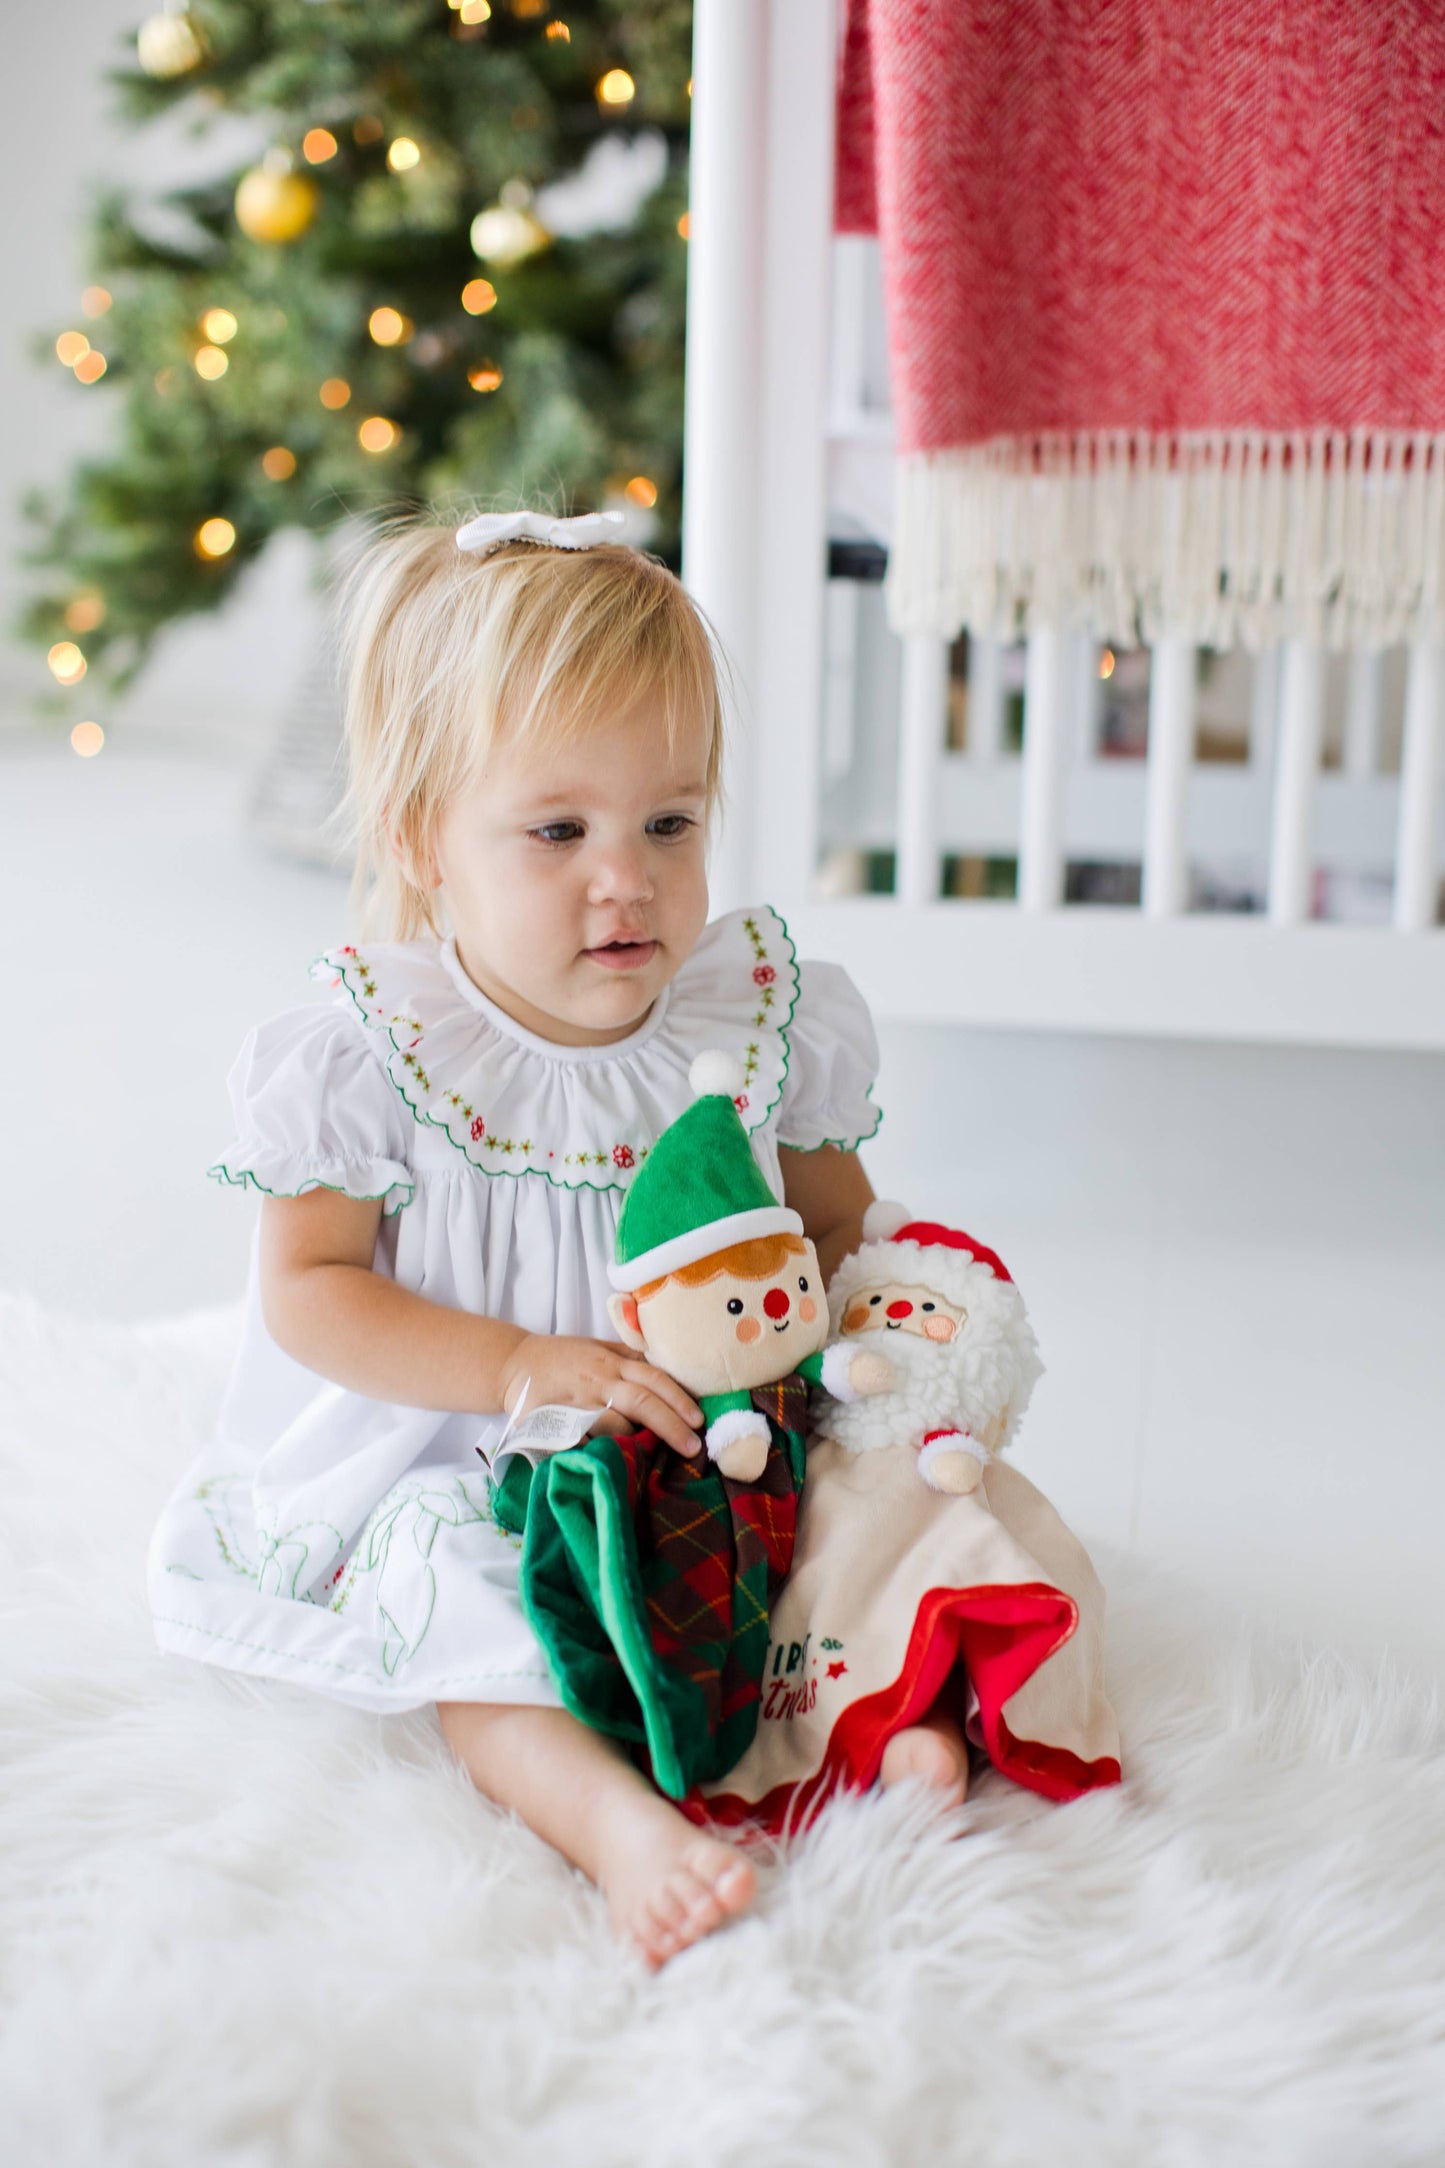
(898,1247)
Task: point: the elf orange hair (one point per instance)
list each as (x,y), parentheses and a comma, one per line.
(755,1260)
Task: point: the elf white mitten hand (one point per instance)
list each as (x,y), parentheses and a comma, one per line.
(737,1442)
(952,1461)
(849,1372)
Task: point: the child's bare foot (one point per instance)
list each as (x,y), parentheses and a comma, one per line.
(667,1885)
(933,1753)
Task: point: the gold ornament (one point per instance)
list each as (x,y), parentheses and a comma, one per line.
(169,45)
(275,207)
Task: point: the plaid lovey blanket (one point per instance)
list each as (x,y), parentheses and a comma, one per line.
(1164,294)
(648,1580)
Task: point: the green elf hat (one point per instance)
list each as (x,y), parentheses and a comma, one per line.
(699,1189)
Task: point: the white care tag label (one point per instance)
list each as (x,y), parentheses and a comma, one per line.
(549,1429)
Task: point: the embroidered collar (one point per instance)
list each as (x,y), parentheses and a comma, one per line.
(584,1117)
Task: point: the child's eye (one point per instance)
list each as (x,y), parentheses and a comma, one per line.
(556,832)
(670,826)
(735,1308)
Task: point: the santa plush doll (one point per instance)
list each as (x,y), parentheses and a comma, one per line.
(930,1578)
(954,1326)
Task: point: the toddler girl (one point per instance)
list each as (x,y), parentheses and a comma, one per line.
(535,737)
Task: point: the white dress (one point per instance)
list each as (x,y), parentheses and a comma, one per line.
(348,1544)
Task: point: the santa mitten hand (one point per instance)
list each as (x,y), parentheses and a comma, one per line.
(849,1371)
(952,1461)
(737,1443)
(869,1373)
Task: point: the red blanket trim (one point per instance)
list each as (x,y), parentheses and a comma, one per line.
(1003,1635)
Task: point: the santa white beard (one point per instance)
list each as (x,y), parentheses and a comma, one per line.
(948,1387)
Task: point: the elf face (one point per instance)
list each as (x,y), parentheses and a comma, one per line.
(729,1334)
(893,1307)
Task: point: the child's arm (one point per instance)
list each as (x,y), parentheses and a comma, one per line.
(830,1192)
(328,1309)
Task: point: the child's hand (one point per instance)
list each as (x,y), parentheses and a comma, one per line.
(578,1373)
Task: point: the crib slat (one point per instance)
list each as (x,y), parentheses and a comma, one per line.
(1041,815)
(920,749)
(985,699)
(1422,763)
(1264,709)
(1364,707)
(1301,735)
(1171,748)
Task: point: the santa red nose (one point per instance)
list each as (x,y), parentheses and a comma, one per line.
(775,1302)
(900,1309)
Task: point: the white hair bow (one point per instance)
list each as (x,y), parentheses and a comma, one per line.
(582,533)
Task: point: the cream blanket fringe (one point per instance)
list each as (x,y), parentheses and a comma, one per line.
(1240,538)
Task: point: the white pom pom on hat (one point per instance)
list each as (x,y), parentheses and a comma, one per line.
(883,1219)
(716,1072)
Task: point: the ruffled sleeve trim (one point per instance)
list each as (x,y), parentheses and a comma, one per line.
(289,1174)
(828,1099)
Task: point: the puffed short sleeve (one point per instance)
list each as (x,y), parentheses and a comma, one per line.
(832,1062)
(314,1110)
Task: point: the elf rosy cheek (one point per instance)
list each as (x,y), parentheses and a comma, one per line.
(807,1309)
(749,1330)
(939,1328)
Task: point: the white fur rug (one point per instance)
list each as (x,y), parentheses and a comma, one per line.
(239,1926)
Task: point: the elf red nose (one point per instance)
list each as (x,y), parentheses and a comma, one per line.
(900,1309)
(775,1302)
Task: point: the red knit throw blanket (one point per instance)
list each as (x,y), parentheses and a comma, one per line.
(1165,284)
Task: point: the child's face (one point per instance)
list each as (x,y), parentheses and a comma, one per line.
(575,879)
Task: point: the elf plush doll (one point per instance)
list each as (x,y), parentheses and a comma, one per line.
(648,1577)
(720,1287)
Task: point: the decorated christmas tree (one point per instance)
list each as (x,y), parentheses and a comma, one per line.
(457,273)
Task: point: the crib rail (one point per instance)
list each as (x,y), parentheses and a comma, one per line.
(847,756)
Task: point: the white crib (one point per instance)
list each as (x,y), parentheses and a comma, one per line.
(857,747)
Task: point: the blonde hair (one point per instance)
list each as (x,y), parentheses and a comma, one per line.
(445,652)
(755,1260)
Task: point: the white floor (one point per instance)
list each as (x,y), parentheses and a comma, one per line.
(1235,1257)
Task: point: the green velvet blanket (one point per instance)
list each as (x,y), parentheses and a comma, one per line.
(648,1580)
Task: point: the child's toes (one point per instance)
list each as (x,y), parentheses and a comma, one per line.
(725,1873)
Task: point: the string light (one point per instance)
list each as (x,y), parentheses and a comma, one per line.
(377,434)
(219,325)
(87,740)
(1106,663)
(389,327)
(560,31)
(485,377)
(641,491)
(95,300)
(215,537)
(475,11)
(684,225)
(67,664)
(526,8)
(335,393)
(210,362)
(479,295)
(402,154)
(70,346)
(85,611)
(317,145)
(616,88)
(91,367)
(279,464)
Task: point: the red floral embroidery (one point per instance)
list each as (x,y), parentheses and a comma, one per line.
(764,975)
(741,1102)
(622,1155)
(478,1130)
